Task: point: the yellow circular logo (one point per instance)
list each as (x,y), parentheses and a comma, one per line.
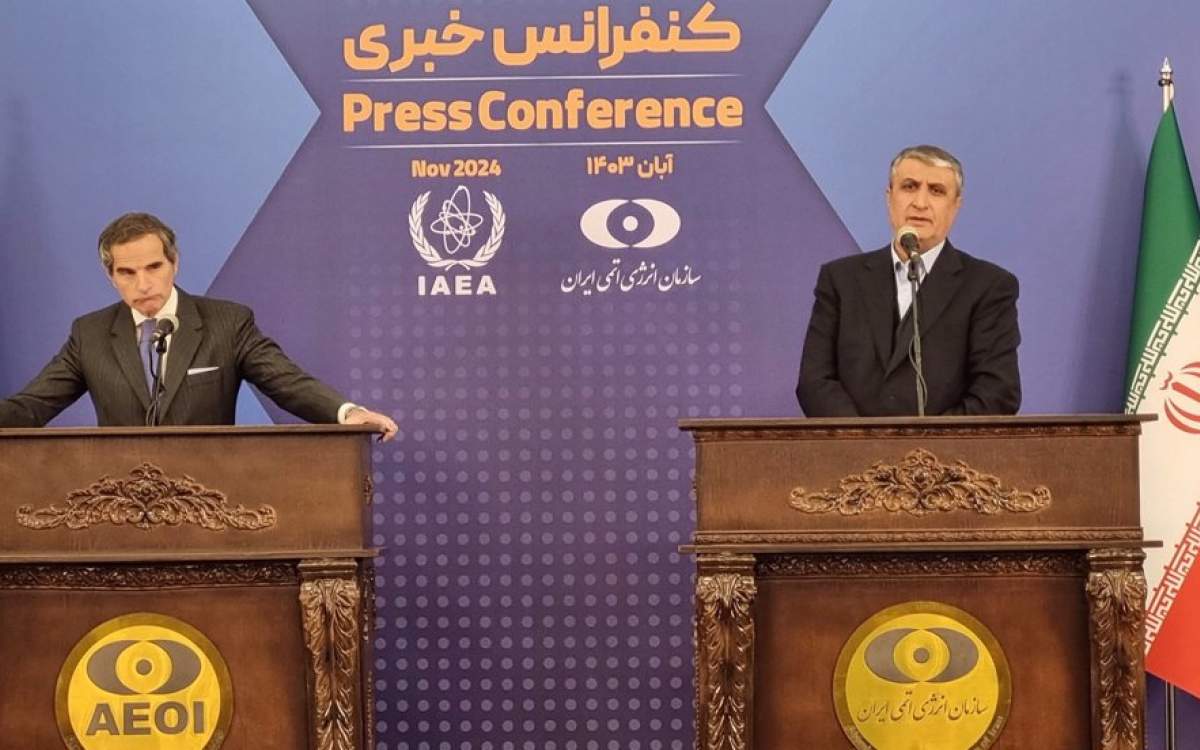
(144,682)
(922,674)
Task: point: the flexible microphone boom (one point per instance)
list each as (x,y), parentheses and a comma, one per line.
(908,239)
(163,327)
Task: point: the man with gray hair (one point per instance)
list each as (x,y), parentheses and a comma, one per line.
(858,353)
(205,351)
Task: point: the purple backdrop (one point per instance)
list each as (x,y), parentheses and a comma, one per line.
(531,592)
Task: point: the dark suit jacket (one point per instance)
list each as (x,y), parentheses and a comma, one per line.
(101,357)
(969,340)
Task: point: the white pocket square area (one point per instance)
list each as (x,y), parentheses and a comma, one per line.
(198,370)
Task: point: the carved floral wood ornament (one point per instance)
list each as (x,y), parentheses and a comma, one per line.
(920,484)
(1116,592)
(724,653)
(330,599)
(147,498)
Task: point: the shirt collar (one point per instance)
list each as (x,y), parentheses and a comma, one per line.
(928,258)
(170,308)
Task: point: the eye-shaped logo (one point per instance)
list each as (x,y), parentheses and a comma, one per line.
(922,674)
(619,223)
(144,681)
(154,667)
(908,655)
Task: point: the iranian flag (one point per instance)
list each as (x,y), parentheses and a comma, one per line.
(1164,379)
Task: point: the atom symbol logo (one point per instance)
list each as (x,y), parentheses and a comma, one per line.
(456,224)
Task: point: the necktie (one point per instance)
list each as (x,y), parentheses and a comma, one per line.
(904,286)
(147,345)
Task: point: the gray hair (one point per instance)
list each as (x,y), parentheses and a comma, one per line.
(934,157)
(133,226)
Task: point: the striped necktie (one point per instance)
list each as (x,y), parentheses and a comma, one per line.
(146,345)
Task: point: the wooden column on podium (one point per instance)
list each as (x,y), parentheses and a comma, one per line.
(808,528)
(258,537)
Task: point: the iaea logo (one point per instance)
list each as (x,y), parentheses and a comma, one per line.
(459,226)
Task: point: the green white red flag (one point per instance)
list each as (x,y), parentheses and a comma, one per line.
(1164,379)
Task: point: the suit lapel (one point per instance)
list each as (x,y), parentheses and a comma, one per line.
(879,291)
(940,286)
(184,343)
(125,349)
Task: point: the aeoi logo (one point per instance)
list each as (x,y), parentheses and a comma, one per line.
(144,681)
(922,674)
(619,223)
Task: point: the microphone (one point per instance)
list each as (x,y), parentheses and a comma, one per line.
(907,238)
(164,327)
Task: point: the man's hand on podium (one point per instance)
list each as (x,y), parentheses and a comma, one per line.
(362,415)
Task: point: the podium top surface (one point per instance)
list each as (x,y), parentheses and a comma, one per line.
(220,430)
(828,423)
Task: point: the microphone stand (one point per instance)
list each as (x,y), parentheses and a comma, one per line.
(914,278)
(160,348)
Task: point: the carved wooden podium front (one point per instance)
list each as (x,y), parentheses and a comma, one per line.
(1018,538)
(255,541)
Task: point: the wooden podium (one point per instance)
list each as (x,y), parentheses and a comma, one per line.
(256,537)
(808,529)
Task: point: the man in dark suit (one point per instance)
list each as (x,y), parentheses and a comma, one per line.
(214,348)
(856,359)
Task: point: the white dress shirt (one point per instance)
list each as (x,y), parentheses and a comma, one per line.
(168,309)
(924,266)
